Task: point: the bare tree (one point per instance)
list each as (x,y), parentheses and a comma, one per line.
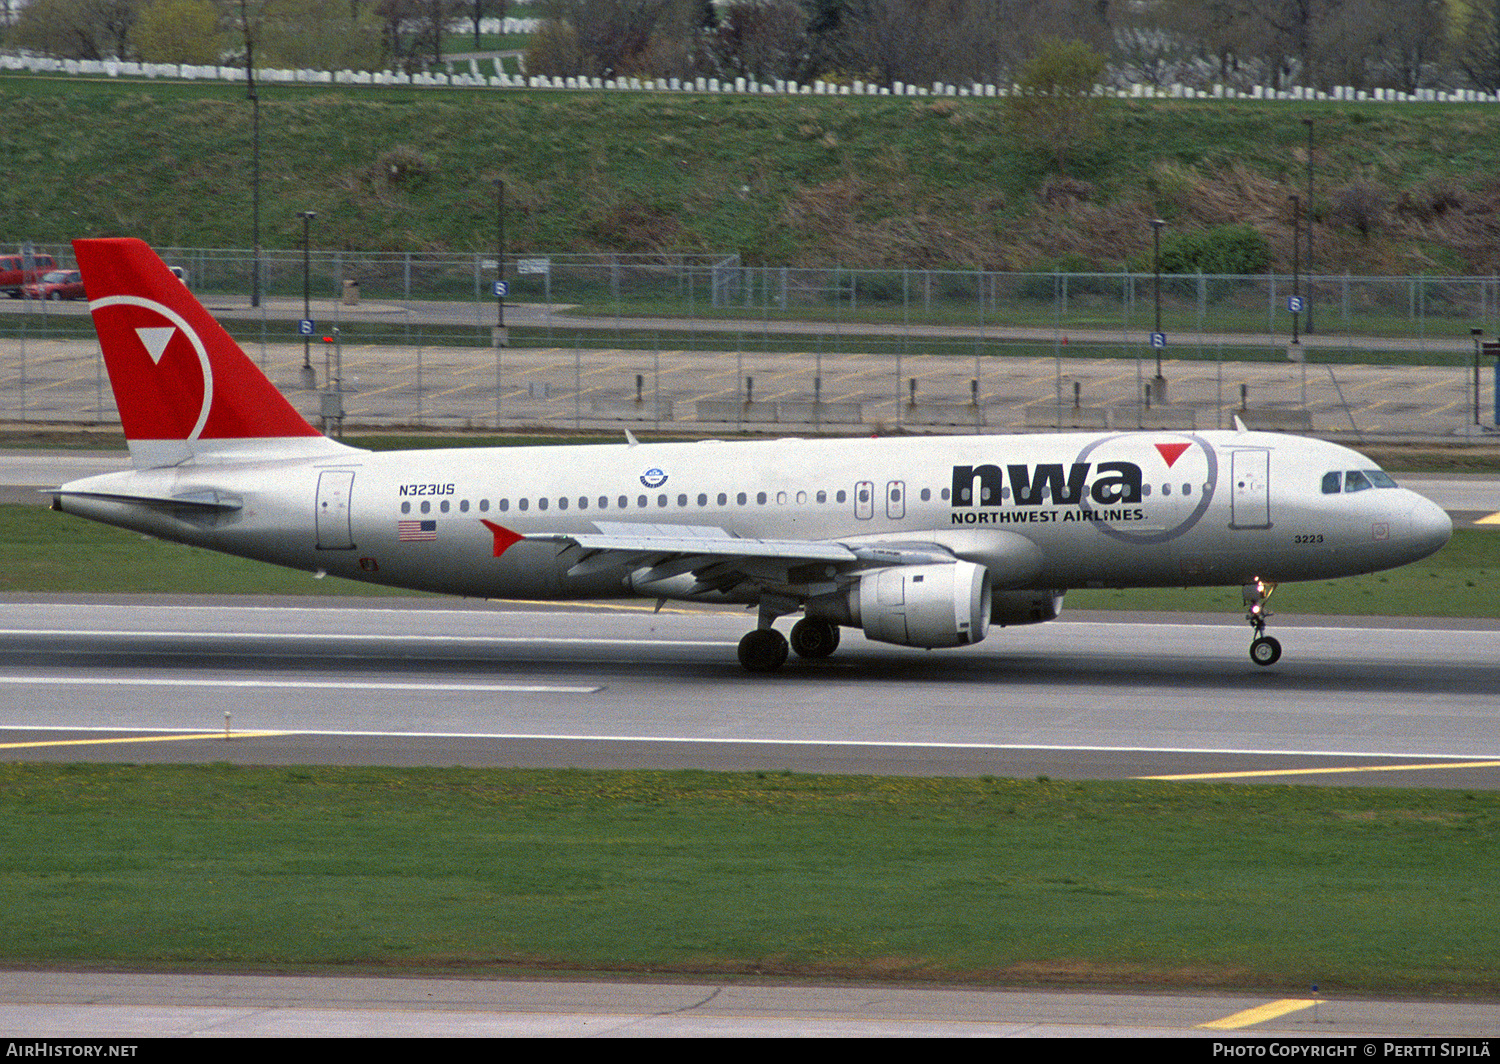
(1479,44)
(761,39)
(77,29)
(617,38)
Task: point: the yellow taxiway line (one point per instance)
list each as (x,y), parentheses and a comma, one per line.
(142,739)
(1260,1014)
(1325,771)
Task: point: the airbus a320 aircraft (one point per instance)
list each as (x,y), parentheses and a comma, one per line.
(924,542)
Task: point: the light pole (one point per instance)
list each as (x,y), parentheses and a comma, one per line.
(500,333)
(1296,260)
(1159,382)
(1308,122)
(254,156)
(307,370)
(1476,333)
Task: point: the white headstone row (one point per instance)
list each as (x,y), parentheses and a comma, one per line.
(473,77)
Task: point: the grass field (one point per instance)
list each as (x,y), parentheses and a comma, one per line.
(931,183)
(992,880)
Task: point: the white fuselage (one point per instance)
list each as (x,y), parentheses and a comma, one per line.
(1040,511)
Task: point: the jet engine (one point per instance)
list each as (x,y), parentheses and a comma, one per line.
(1025,607)
(942,605)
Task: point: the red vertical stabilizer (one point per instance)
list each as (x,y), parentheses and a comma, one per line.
(184,388)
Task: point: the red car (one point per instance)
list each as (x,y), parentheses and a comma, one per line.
(56,284)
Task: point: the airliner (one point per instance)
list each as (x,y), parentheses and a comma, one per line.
(917,542)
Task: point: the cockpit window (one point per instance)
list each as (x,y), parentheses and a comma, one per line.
(1356,480)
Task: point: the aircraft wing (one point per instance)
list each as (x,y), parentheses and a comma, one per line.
(719,559)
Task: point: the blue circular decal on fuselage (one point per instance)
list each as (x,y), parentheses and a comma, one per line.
(653,478)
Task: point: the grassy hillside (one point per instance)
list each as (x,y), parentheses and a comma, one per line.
(794,181)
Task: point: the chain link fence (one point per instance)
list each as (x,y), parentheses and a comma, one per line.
(584,333)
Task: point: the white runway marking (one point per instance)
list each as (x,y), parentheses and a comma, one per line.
(355,637)
(334,685)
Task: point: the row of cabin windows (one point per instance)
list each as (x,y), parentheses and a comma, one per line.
(642,502)
(663,501)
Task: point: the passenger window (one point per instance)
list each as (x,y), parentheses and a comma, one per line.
(426,507)
(463,507)
(760,497)
(842,496)
(541,504)
(524,503)
(822,496)
(926,494)
(562,504)
(504,505)
(723,499)
(484,506)
(641,502)
(661,500)
(1333,483)
(741,498)
(702,500)
(1354,480)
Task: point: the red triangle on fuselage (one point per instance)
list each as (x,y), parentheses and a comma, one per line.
(1170,452)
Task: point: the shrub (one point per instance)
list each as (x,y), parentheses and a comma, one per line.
(1225,249)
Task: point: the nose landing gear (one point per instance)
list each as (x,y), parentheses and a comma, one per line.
(1264,649)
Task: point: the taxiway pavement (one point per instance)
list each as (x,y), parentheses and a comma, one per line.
(1372,701)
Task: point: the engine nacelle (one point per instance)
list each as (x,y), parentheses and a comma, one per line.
(1025,607)
(942,605)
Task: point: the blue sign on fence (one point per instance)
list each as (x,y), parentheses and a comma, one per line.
(305,327)
(1294,304)
(502,289)
(1158,339)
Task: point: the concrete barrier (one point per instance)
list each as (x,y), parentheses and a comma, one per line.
(1067,416)
(735,410)
(1292,420)
(1157,416)
(942,414)
(801,413)
(630,410)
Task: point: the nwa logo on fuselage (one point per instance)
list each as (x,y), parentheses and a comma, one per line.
(1105,486)
(1048,484)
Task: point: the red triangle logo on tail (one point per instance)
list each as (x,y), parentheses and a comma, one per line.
(1170,452)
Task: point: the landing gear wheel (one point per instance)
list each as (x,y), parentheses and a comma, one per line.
(763,650)
(1265,650)
(812,638)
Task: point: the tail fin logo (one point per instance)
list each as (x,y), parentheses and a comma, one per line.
(157,340)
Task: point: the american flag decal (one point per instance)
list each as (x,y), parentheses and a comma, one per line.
(416,531)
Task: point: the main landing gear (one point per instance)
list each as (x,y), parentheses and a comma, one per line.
(1264,649)
(766,649)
